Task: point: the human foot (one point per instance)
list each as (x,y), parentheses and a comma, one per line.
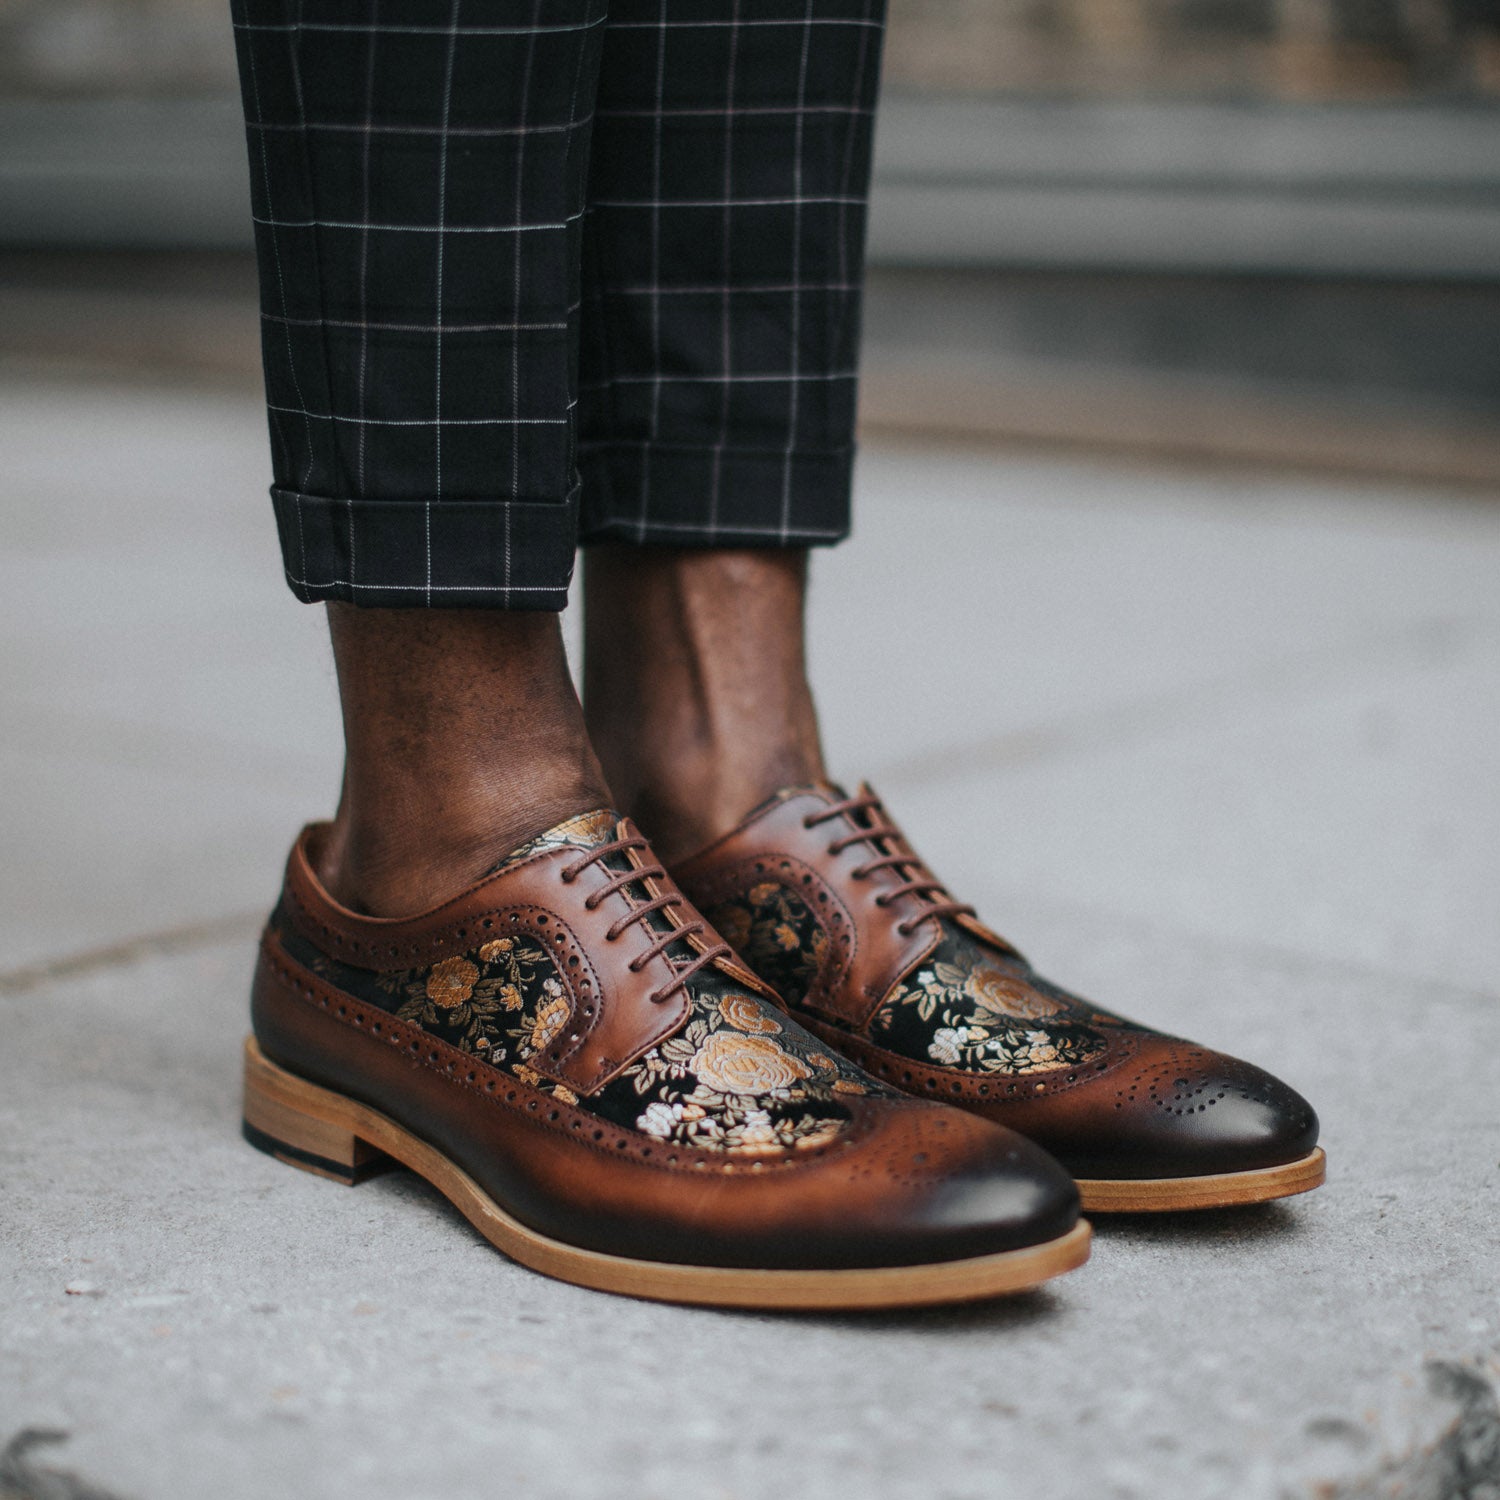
(825,899)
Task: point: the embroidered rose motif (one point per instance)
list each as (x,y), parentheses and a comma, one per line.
(451,982)
(745,1015)
(730,1063)
(495,948)
(1004,995)
(968,1009)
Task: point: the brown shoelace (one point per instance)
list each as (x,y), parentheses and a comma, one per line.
(670,897)
(918,879)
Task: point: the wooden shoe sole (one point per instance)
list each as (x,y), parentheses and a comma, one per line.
(1220,1190)
(334,1136)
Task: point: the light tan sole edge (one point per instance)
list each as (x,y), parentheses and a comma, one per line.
(324,1132)
(1150,1195)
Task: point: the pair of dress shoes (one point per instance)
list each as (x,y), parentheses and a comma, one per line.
(794,1072)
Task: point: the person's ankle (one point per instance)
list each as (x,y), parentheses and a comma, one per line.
(696,693)
(464,737)
(396,864)
(689,793)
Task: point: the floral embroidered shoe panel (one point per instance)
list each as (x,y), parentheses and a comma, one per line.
(972,1003)
(739,1076)
(825,898)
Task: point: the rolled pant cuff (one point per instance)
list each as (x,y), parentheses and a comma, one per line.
(438,554)
(714,497)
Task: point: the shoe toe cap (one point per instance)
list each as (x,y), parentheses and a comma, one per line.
(957,1186)
(1183,1110)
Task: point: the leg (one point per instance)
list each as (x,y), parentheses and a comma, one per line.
(696,683)
(723,256)
(419,184)
(418,178)
(735,307)
(463,738)
(555,1040)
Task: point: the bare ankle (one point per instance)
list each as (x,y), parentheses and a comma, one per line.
(464,738)
(385,867)
(695,685)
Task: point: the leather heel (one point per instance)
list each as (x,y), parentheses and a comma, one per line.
(300,1127)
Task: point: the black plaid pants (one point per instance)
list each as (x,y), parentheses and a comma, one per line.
(542,272)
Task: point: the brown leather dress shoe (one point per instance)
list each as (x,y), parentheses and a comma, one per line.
(572,1057)
(825,899)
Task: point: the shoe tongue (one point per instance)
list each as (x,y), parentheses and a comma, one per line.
(586,830)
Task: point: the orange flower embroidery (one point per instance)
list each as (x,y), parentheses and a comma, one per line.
(730,1063)
(1002,995)
(745,1015)
(451,982)
(550,1020)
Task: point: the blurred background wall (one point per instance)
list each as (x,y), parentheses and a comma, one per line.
(1251,230)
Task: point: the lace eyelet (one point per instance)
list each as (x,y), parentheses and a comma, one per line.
(882,902)
(904,930)
(567,876)
(634,966)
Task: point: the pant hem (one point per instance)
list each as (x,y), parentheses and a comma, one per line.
(714,497)
(439,554)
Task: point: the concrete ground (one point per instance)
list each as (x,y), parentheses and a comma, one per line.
(1220,750)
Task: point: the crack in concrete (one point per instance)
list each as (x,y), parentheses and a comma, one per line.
(1462,1463)
(22,1480)
(169,940)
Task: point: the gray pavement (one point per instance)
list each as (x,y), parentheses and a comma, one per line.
(1221,750)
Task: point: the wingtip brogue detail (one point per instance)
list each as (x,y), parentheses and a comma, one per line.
(825,897)
(570,1053)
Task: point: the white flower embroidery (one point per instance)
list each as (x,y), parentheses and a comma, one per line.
(945,1045)
(758,1130)
(659,1118)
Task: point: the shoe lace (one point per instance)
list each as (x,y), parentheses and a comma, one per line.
(642,912)
(917,879)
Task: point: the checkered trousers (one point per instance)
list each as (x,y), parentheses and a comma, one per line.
(542,272)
